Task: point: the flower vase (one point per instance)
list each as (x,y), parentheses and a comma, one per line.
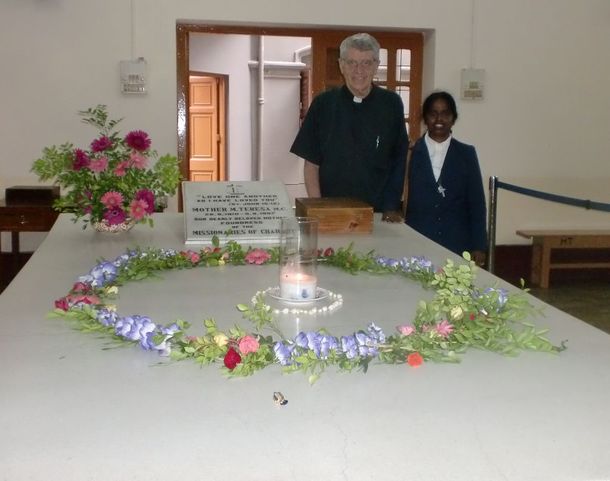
(104,226)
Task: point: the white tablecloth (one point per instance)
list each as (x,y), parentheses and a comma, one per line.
(74,406)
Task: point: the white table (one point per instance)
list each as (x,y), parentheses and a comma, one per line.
(72,410)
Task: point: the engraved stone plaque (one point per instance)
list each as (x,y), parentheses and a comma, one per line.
(246,211)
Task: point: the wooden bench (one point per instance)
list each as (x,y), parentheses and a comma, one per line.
(544,241)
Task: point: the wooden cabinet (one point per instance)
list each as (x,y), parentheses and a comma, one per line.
(25,218)
(28,210)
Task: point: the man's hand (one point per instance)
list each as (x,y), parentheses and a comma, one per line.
(392,216)
(311,173)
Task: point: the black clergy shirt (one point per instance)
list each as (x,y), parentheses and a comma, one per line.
(360,147)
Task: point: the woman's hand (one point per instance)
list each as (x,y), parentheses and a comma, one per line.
(479,258)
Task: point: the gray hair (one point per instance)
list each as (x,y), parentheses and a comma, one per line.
(360,41)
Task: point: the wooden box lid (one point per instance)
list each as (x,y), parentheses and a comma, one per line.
(31,195)
(337,215)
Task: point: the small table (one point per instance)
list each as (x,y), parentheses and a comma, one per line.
(17,218)
(544,241)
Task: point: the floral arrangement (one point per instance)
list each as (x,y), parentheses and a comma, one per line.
(111,182)
(459,317)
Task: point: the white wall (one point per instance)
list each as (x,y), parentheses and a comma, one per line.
(544,122)
(229,55)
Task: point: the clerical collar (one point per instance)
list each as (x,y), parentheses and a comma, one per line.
(355,98)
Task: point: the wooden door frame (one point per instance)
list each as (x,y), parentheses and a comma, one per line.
(183,30)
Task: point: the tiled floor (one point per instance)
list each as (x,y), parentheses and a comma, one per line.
(587,300)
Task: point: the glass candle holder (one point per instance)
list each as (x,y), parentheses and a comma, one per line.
(298,256)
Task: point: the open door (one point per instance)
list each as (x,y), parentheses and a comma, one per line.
(206,129)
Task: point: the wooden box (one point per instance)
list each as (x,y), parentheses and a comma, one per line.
(337,215)
(31,195)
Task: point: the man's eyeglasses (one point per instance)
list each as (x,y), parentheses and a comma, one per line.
(364,64)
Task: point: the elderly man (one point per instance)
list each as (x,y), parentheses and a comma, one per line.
(354,139)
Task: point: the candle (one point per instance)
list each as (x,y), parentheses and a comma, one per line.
(297,286)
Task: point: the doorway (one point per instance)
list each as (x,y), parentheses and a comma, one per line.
(206,128)
(320,74)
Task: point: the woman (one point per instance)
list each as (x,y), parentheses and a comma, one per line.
(446,201)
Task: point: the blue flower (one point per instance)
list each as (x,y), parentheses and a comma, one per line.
(416,264)
(102,274)
(376,333)
(106,317)
(389,262)
(283,353)
(500,294)
(134,328)
(349,346)
(301,340)
(327,344)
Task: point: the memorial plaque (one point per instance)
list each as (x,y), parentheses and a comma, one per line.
(248,211)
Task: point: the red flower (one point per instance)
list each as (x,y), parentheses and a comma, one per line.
(472,316)
(101,144)
(138,140)
(329,252)
(232,358)
(62,304)
(414,359)
(81,287)
(115,216)
(147,196)
(81,160)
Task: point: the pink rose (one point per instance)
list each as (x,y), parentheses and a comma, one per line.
(257,256)
(406,330)
(248,344)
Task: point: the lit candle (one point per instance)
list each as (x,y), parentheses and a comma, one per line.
(297,286)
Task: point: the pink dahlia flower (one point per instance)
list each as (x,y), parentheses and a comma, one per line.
(112,199)
(99,165)
(137,209)
(444,328)
(138,161)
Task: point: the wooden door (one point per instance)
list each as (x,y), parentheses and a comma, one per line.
(206,129)
(400,68)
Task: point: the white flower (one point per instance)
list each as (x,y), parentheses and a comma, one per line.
(456,313)
(221,339)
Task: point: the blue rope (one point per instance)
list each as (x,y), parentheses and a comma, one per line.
(587,204)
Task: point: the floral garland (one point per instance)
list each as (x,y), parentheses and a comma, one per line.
(460,316)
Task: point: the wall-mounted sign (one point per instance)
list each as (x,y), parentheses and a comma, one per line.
(473,83)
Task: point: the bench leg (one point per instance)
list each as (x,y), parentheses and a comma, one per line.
(536,274)
(545,266)
(541,265)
